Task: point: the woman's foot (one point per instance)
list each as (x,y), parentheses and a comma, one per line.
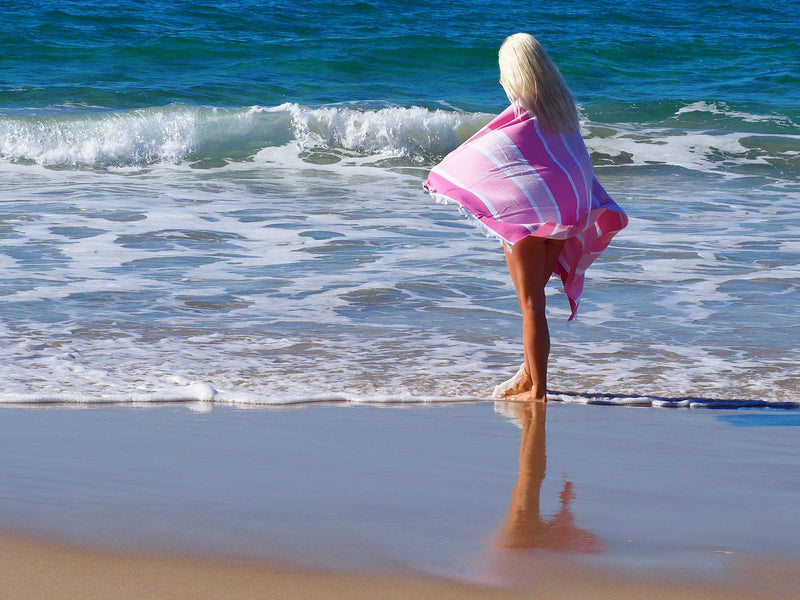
(520,383)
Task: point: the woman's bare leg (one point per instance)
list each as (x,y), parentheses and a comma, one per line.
(531,263)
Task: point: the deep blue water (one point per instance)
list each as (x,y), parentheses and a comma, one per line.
(619,56)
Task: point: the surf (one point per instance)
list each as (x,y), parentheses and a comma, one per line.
(702,137)
(213,136)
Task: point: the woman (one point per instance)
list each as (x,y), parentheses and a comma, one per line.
(526,178)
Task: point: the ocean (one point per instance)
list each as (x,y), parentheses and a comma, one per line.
(221,202)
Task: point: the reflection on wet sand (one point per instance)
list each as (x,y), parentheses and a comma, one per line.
(525,526)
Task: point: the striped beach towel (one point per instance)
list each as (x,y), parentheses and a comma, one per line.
(514,180)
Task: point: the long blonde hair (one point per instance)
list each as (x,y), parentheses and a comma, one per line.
(532,80)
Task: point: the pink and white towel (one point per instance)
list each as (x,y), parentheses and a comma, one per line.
(515,180)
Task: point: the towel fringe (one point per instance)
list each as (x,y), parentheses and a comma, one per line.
(471,219)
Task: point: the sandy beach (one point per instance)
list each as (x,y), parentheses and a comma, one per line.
(476,500)
(35,569)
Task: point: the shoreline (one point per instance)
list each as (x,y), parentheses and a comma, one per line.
(468,499)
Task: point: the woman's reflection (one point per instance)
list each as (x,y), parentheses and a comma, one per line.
(525,527)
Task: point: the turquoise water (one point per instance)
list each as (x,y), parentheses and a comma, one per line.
(626,58)
(222,201)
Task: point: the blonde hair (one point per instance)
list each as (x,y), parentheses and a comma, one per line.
(532,80)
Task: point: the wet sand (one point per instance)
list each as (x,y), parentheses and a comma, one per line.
(471,500)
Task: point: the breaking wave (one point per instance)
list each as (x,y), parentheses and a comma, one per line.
(706,137)
(180,133)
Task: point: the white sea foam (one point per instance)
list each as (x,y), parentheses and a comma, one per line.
(723,109)
(729,154)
